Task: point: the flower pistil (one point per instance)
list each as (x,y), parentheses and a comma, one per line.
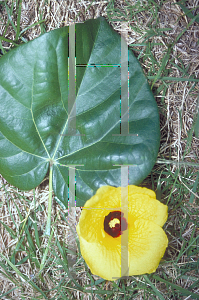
(113,222)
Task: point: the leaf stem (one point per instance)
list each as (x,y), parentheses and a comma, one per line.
(45,253)
(48,225)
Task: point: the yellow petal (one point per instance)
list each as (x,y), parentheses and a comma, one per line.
(106,199)
(143,205)
(103,261)
(147,241)
(147,245)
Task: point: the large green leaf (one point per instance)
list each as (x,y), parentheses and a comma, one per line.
(34,113)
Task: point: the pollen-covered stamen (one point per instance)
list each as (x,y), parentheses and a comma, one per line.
(113,222)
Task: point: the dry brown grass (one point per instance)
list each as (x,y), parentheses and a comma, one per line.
(179,97)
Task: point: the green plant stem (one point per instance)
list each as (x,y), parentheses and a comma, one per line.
(47,231)
(46,252)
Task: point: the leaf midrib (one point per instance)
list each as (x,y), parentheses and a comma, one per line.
(100,139)
(61,136)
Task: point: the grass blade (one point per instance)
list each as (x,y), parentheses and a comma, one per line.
(18,20)
(175,286)
(30,282)
(153,288)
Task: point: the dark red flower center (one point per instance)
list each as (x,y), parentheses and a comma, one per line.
(115,223)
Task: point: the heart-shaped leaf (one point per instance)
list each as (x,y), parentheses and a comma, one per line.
(34,113)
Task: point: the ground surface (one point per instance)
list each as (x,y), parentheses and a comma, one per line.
(152,26)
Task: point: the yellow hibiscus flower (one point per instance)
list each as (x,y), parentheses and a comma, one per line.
(99,231)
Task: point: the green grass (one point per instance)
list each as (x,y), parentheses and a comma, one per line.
(175,182)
